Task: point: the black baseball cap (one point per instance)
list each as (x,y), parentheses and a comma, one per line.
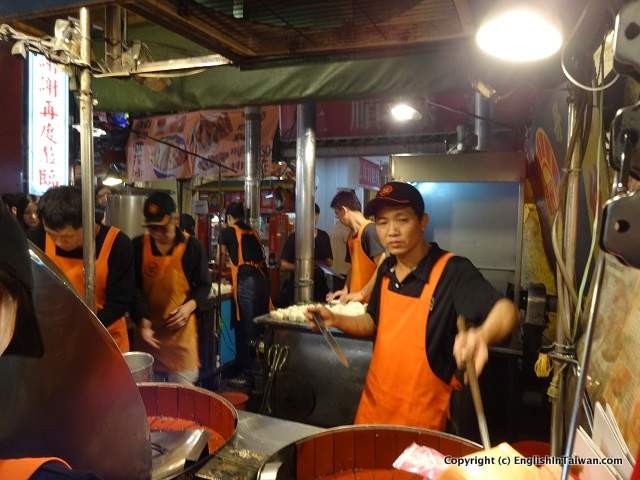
(158,209)
(396,194)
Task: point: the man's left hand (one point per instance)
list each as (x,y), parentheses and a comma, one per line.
(471,345)
(179,317)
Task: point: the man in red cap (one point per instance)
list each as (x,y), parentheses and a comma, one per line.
(419,292)
(172,280)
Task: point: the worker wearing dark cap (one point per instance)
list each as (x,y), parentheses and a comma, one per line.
(60,209)
(419,292)
(172,280)
(20,335)
(249,281)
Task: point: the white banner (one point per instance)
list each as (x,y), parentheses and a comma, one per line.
(48,125)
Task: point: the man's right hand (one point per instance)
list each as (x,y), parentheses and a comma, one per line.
(327,316)
(147,334)
(338,294)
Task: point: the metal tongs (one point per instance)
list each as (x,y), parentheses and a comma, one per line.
(326,333)
(475,393)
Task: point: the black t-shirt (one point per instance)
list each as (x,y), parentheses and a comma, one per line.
(370,243)
(321,250)
(194,264)
(462,290)
(120,280)
(251,248)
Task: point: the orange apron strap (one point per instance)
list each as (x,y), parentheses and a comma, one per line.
(24,468)
(49,246)
(234,270)
(117,329)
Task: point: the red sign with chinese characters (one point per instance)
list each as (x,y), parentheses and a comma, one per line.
(48,125)
(370,118)
(370,174)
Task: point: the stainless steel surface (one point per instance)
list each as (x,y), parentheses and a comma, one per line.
(305,199)
(330,271)
(330,340)
(126,213)
(477,220)
(79,400)
(86,164)
(171,451)
(257,438)
(475,393)
(140,365)
(465,167)
(252,165)
(584,364)
(481,125)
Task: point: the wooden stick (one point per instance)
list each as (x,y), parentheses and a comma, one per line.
(475,393)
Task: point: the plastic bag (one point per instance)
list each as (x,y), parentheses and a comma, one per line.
(423,461)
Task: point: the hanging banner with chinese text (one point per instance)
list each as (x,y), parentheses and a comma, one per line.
(214,134)
(48,125)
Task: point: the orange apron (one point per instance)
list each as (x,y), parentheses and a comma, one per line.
(362,267)
(166,287)
(73,268)
(24,468)
(234,268)
(401,388)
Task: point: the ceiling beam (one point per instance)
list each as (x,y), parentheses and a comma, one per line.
(465,15)
(203,33)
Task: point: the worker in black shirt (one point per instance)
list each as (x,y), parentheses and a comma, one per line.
(322,254)
(249,281)
(60,210)
(419,292)
(364,250)
(172,282)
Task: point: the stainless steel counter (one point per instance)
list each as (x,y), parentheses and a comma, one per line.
(257,438)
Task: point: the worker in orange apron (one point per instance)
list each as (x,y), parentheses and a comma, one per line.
(418,294)
(364,250)
(60,209)
(242,245)
(18,319)
(172,278)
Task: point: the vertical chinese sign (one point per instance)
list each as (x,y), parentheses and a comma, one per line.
(48,125)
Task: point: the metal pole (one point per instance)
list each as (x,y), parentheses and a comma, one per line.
(252,119)
(86,164)
(584,365)
(564,301)
(113,37)
(305,200)
(571,208)
(481,125)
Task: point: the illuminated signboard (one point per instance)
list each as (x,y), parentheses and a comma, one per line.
(48,125)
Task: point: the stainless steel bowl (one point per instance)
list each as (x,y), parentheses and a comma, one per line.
(140,365)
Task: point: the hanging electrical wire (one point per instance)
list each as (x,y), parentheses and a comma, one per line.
(570,77)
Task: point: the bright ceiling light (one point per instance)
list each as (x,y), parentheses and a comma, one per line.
(403,112)
(519,35)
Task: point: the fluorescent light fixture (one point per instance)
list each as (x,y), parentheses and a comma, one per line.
(97,132)
(111,181)
(403,112)
(519,34)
